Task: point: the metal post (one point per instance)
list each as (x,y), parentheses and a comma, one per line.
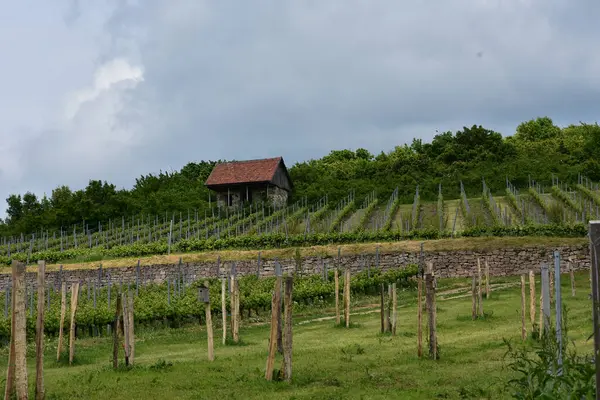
(595,266)
(546,296)
(558,304)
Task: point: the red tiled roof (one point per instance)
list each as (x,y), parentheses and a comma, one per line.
(238,172)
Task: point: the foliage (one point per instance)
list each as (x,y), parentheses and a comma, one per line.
(366,215)
(539,148)
(175,301)
(595,197)
(540,375)
(351,206)
(563,197)
(512,201)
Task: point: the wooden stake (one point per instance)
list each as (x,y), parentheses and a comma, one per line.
(236,306)
(232,303)
(551,287)
(39,334)
(474,298)
(209,328)
(63,311)
(288,305)
(16,372)
(130,328)
(275,305)
(541,325)
(116,332)
(394,309)
(125,327)
(479,290)
(419,316)
(382,309)
(224,309)
(523,329)
(337,297)
(532,307)
(347,298)
(280,318)
(572,274)
(432,315)
(488,289)
(74,298)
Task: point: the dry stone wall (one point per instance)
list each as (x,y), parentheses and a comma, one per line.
(502,262)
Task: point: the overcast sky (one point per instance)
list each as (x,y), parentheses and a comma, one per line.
(114,89)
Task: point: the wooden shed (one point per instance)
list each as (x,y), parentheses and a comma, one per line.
(251,181)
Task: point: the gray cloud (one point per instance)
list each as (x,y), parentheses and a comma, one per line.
(253,79)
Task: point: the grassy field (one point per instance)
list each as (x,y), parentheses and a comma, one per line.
(329,362)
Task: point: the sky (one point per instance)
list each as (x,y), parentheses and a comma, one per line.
(113,89)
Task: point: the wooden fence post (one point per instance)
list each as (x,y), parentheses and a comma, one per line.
(337,296)
(382,308)
(209,327)
(63,311)
(572,275)
(480,289)
(126,336)
(347,297)
(419,315)
(523,329)
(394,309)
(74,298)
(431,313)
(130,328)
(532,307)
(39,334)
(236,304)
(224,309)
(16,372)
(488,289)
(288,305)
(474,298)
(116,332)
(275,306)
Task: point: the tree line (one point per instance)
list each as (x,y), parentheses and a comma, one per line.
(537,150)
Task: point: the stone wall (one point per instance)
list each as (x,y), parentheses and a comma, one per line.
(277,196)
(502,262)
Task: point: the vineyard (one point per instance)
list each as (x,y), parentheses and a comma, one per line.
(176,301)
(558,209)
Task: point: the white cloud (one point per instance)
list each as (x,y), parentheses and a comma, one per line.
(133,87)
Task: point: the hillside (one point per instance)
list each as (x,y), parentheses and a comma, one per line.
(470,183)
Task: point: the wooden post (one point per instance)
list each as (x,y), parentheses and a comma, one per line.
(74,298)
(474,298)
(209,328)
(394,309)
(347,297)
(63,311)
(125,313)
(116,332)
(224,309)
(419,316)
(130,328)
(532,307)
(480,289)
(337,296)
(488,289)
(551,276)
(232,303)
(275,306)
(288,305)
(523,329)
(572,274)
(431,314)
(39,334)
(16,372)
(236,306)
(382,308)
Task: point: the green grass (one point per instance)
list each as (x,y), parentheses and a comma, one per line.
(329,362)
